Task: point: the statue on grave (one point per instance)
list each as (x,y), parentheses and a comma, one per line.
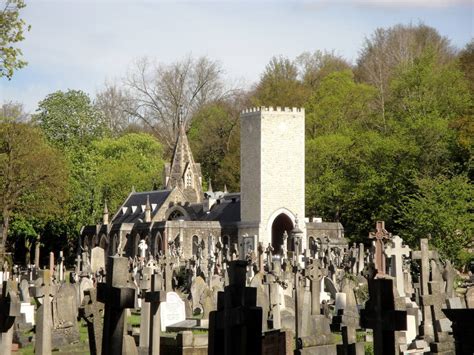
(119,248)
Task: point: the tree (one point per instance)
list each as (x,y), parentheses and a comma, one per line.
(338,103)
(215,138)
(279,85)
(32,181)
(164,96)
(134,159)
(69,119)
(116,106)
(466,64)
(314,67)
(388,49)
(12,29)
(443,209)
(12,112)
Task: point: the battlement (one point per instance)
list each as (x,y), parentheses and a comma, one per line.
(260,109)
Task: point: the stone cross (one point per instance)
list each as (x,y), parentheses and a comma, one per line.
(44,323)
(91,311)
(117,294)
(314,272)
(269,252)
(236,326)
(380,315)
(397,251)
(379,236)
(9,310)
(424,254)
(143,248)
(144,285)
(154,297)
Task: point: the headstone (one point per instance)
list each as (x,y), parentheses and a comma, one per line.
(9,310)
(380,314)
(65,330)
(97,259)
(379,236)
(154,297)
(42,293)
(396,251)
(92,312)
(236,326)
(172,310)
(118,295)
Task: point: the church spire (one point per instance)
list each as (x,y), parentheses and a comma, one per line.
(183,172)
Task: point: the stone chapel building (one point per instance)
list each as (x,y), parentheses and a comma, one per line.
(271,200)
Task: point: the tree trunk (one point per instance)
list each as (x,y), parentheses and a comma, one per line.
(4,234)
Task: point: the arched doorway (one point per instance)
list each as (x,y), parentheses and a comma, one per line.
(281,224)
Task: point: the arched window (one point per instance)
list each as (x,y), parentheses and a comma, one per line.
(175,215)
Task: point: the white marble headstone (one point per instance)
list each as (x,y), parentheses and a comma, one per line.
(172,311)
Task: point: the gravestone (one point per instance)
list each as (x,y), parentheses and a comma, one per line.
(9,310)
(117,294)
(380,314)
(172,310)
(396,251)
(155,297)
(379,236)
(236,326)
(65,330)
(92,312)
(42,293)
(97,259)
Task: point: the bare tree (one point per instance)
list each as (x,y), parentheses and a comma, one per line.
(166,96)
(388,49)
(117,106)
(13,112)
(313,67)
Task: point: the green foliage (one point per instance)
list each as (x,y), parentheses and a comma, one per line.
(215,138)
(70,120)
(133,159)
(12,29)
(32,181)
(279,85)
(442,208)
(339,103)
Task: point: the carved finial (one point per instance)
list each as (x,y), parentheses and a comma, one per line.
(105,215)
(147,210)
(225,189)
(133,189)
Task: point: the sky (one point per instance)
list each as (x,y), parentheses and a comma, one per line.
(81,44)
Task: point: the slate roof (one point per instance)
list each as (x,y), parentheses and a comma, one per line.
(226,211)
(133,209)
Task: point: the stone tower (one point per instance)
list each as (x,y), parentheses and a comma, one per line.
(183,172)
(272,172)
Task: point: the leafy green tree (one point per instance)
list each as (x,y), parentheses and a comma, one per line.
(134,159)
(466,64)
(32,181)
(339,103)
(279,85)
(12,30)
(443,209)
(70,120)
(214,138)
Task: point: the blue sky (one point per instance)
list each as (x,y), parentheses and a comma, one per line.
(81,44)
